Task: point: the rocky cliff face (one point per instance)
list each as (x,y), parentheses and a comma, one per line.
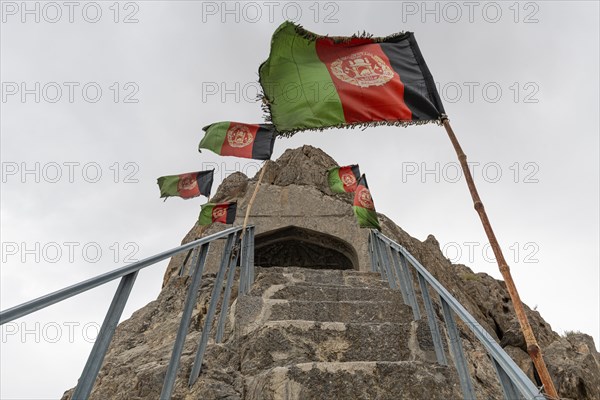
(260,361)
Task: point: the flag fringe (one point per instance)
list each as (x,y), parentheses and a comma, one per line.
(360,125)
(301,31)
(266,107)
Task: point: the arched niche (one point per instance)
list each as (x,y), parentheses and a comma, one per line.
(293,246)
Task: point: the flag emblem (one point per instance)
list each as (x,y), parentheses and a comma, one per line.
(187,185)
(343,179)
(239,136)
(348,178)
(365,199)
(364,208)
(362,69)
(218,213)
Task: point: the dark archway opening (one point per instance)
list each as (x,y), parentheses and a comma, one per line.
(299,247)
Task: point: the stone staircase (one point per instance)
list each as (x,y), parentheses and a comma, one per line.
(333,334)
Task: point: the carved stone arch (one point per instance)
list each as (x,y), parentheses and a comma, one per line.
(293,246)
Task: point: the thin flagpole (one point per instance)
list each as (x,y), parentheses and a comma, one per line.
(260,177)
(532,346)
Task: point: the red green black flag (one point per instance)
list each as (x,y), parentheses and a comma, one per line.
(240,140)
(187,185)
(343,179)
(363,206)
(315,82)
(221,212)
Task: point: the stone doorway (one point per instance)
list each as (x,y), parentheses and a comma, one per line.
(293,246)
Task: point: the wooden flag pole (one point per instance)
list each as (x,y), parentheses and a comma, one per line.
(532,346)
(260,177)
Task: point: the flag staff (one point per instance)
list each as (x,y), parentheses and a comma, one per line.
(262,173)
(532,346)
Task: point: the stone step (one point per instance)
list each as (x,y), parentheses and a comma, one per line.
(308,292)
(351,278)
(251,312)
(339,311)
(355,380)
(281,343)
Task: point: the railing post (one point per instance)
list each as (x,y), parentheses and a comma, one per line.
(401,277)
(431,320)
(379,257)
(243,267)
(372,252)
(214,299)
(226,296)
(188,308)
(251,258)
(457,353)
(94,362)
(194,263)
(508,388)
(388,267)
(412,297)
(245,263)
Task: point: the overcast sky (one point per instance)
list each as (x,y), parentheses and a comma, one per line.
(99,99)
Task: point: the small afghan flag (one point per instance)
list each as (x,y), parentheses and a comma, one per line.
(240,140)
(363,206)
(222,212)
(343,179)
(186,186)
(315,82)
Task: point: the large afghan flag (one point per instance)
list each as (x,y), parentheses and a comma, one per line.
(363,206)
(315,82)
(222,212)
(187,185)
(343,179)
(239,140)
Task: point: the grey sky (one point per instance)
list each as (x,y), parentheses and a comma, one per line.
(518,80)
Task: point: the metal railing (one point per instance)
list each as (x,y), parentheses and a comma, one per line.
(234,250)
(387,257)
(515,384)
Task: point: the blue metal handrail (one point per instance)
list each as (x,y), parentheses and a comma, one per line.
(70,291)
(234,249)
(512,379)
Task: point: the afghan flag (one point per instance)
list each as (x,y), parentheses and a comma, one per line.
(222,212)
(239,140)
(363,206)
(315,82)
(343,179)
(186,186)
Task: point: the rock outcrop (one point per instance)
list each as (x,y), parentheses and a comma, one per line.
(308,333)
